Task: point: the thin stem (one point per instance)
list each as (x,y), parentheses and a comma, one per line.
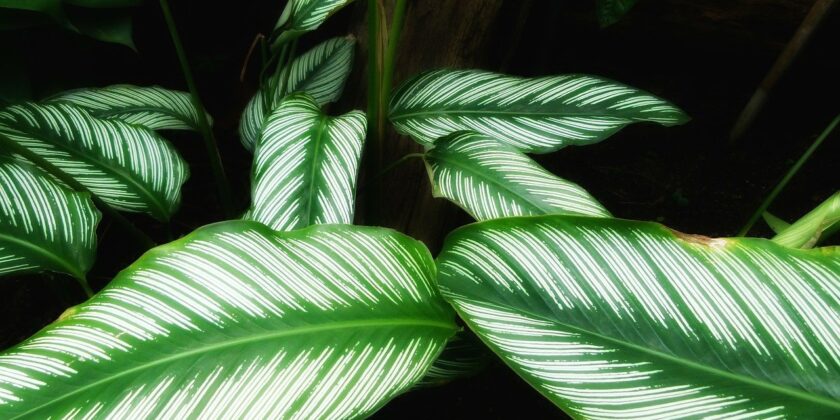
(204,125)
(393,165)
(86,287)
(793,170)
(76,185)
(394,33)
(374,108)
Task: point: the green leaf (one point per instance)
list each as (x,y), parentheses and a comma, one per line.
(320,72)
(305,166)
(153,107)
(611,11)
(818,223)
(104,4)
(463,356)
(611,318)
(534,115)
(774,222)
(302,16)
(238,321)
(129,167)
(107,25)
(43,225)
(490,179)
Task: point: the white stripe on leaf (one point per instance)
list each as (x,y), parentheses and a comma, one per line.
(305,166)
(611,318)
(534,115)
(238,321)
(301,16)
(43,225)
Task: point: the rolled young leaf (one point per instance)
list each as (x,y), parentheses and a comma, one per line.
(611,318)
(238,321)
(152,107)
(320,72)
(305,166)
(43,225)
(818,223)
(301,16)
(534,115)
(129,167)
(490,180)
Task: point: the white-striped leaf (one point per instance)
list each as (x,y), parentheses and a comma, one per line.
(238,321)
(490,179)
(153,107)
(305,166)
(818,223)
(534,115)
(129,167)
(463,356)
(320,72)
(43,225)
(611,318)
(302,16)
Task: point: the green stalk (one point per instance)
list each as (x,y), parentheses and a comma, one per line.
(44,164)
(204,125)
(793,170)
(374,110)
(394,32)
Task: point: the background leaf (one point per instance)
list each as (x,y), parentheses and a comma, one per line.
(534,115)
(238,321)
(129,167)
(306,165)
(611,11)
(614,318)
(43,225)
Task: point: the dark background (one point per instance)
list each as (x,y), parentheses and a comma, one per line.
(705,56)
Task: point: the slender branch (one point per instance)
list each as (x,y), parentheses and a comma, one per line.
(394,33)
(374,108)
(85,286)
(204,125)
(44,164)
(793,170)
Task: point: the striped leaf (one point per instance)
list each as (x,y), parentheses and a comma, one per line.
(817,224)
(320,72)
(153,107)
(534,115)
(611,318)
(238,321)
(463,356)
(302,16)
(43,225)
(129,167)
(305,166)
(490,180)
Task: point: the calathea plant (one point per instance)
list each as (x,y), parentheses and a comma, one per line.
(292,311)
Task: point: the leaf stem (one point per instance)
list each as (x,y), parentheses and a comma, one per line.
(394,32)
(374,109)
(393,165)
(793,170)
(204,125)
(77,186)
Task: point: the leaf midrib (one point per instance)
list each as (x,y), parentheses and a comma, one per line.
(67,265)
(340,325)
(313,170)
(793,392)
(455,112)
(111,112)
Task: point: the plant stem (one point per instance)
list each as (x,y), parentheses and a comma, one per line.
(204,125)
(393,165)
(86,287)
(793,170)
(77,186)
(394,33)
(374,109)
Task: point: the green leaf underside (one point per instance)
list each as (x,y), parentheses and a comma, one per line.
(43,225)
(612,318)
(320,72)
(537,115)
(152,107)
(236,320)
(490,180)
(305,166)
(611,11)
(818,223)
(301,16)
(129,167)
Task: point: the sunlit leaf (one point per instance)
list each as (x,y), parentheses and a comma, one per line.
(238,321)
(534,115)
(611,318)
(43,225)
(817,224)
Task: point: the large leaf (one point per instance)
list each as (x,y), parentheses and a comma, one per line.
(305,166)
(818,223)
(611,11)
(153,107)
(301,16)
(320,72)
(129,167)
(238,321)
(490,179)
(43,225)
(618,319)
(534,115)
